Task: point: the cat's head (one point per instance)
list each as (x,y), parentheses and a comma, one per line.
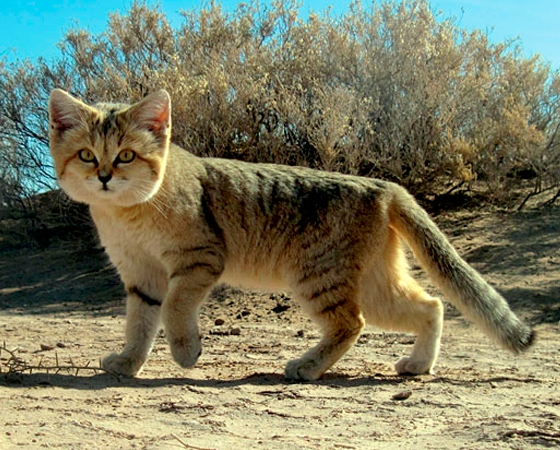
(107,153)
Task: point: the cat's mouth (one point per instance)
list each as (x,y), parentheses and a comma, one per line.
(106,188)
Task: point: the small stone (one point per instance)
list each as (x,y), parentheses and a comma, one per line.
(235,331)
(219,322)
(279,308)
(402,395)
(46,347)
(61,345)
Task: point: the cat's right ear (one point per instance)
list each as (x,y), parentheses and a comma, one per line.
(153,113)
(66,112)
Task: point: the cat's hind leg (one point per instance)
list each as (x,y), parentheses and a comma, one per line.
(336,311)
(393,300)
(423,315)
(404,306)
(142,325)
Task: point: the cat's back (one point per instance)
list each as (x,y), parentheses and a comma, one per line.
(280,182)
(285,197)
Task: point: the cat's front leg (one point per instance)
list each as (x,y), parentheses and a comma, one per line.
(180,316)
(142,325)
(192,273)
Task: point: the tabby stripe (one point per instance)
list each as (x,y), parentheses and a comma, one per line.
(108,122)
(335,306)
(205,249)
(346,248)
(210,268)
(208,215)
(144,297)
(314,274)
(151,164)
(327,267)
(243,213)
(320,265)
(262,184)
(328,290)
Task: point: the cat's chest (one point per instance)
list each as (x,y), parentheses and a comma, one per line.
(128,235)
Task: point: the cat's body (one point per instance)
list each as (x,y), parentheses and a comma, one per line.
(174,225)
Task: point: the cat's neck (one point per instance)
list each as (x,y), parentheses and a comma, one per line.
(122,213)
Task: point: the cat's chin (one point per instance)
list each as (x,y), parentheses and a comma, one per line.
(108,198)
(118,200)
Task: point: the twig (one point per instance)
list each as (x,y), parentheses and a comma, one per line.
(188,445)
(540,191)
(531,433)
(16,365)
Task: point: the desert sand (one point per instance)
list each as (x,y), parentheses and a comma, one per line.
(62,306)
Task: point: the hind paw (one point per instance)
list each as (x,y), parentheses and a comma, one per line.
(302,369)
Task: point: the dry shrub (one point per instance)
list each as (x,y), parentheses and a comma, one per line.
(392,90)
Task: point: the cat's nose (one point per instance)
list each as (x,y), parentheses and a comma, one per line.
(104,178)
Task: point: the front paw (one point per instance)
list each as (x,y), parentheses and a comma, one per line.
(121,365)
(186,351)
(407,365)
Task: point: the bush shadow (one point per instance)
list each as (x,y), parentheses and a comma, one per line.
(67,275)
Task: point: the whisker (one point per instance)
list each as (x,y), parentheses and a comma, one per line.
(157,203)
(159,200)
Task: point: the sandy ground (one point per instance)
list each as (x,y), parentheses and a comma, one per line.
(61,305)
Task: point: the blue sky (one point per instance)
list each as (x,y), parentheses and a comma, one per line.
(29,29)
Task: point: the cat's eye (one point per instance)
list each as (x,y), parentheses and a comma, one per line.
(87,156)
(126,156)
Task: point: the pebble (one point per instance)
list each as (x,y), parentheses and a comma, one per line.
(279,308)
(402,395)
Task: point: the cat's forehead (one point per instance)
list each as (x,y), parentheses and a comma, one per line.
(109,119)
(111,108)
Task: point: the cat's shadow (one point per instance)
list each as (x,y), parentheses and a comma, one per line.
(272,383)
(271,380)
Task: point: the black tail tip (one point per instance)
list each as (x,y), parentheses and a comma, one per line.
(525,341)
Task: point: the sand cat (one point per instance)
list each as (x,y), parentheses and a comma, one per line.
(175,224)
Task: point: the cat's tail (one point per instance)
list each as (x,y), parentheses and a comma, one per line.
(463,285)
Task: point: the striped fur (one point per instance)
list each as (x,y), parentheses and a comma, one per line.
(174,225)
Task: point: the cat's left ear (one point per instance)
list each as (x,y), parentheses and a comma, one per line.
(153,113)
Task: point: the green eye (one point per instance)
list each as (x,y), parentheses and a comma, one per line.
(125,156)
(86,156)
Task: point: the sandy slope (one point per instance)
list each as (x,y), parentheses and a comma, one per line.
(236,398)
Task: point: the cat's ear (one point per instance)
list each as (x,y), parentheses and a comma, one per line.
(66,112)
(153,113)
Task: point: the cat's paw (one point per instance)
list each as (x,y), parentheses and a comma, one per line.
(302,369)
(185,351)
(407,365)
(121,365)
